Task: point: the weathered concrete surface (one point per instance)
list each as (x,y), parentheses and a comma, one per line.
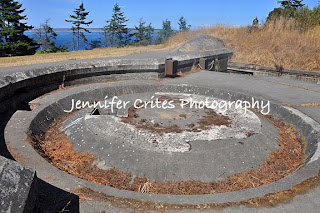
(199,83)
(252,67)
(210,157)
(313,111)
(201,43)
(309,202)
(18,187)
(296,92)
(214,154)
(151,61)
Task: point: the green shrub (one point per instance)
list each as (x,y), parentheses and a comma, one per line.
(53,50)
(304,18)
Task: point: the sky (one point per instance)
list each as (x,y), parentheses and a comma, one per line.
(197,13)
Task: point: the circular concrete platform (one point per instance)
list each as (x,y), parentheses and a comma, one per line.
(147,145)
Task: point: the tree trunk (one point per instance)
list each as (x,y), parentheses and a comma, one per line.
(78,41)
(73,40)
(105,39)
(40,37)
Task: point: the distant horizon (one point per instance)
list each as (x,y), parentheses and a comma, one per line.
(198,14)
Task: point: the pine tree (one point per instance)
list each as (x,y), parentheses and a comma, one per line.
(49,36)
(74,35)
(166,31)
(46,37)
(39,36)
(143,35)
(289,4)
(183,24)
(78,20)
(12,39)
(141,29)
(94,44)
(116,30)
(149,32)
(109,32)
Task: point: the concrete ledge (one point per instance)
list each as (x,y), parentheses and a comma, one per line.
(18,187)
(305,75)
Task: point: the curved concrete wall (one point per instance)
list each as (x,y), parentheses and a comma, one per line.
(19,85)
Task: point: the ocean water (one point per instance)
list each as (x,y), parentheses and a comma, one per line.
(65,38)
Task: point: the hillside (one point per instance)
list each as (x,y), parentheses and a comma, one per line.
(275,43)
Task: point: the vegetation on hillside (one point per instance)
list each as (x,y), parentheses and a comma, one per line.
(290,37)
(300,17)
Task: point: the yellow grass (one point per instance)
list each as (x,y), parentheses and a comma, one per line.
(276,43)
(85,54)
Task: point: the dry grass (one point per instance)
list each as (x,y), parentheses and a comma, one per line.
(84,54)
(277,43)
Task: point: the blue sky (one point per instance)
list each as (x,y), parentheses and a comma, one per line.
(197,13)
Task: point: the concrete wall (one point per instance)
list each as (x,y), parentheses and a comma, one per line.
(19,85)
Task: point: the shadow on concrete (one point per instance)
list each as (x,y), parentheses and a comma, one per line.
(5,117)
(51,199)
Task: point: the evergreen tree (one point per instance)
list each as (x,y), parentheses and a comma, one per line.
(116,30)
(109,32)
(78,19)
(39,36)
(105,36)
(183,24)
(49,36)
(74,35)
(141,29)
(143,35)
(94,44)
(288,9)
(46,37)
(166,31)
(149,32)
(12,39)
(289,4)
